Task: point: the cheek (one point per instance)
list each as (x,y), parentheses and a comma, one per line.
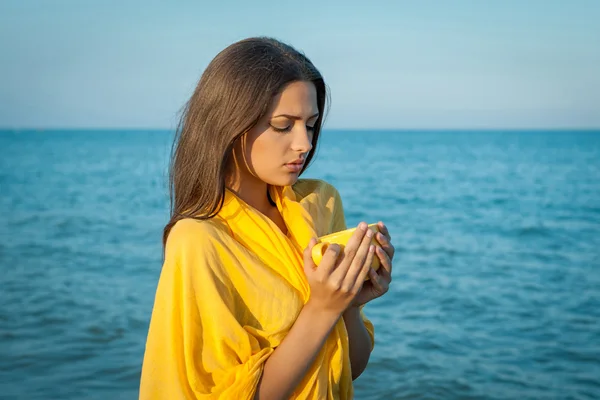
(266,150)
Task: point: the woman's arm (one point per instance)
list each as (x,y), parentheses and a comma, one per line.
(333,286)
(359,339)
(290,361)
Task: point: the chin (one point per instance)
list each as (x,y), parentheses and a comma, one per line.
(284,181)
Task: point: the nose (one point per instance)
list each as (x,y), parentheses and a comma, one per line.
(302,140)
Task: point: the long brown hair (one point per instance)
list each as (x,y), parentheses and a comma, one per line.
(233,94)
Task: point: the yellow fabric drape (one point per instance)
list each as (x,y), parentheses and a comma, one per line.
(230,289)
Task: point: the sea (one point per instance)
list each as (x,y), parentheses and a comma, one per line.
(496,277)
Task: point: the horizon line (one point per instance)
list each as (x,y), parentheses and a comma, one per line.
(400,129)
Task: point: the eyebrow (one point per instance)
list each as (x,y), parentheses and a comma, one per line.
(295,117)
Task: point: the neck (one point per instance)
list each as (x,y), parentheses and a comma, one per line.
(254,195)
(248,187)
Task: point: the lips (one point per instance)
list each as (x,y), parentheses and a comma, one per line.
(295,166)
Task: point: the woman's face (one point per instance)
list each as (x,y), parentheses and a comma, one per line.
(276,148)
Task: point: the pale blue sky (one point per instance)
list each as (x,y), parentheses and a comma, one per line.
(395,64)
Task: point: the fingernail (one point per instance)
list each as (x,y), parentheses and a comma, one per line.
(369,233)
(371,249)
(362,225)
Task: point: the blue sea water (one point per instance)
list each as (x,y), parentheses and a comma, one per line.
(496,291)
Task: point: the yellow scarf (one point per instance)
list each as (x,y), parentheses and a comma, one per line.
(229,291)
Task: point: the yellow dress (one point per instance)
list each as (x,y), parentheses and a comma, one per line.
(230,289)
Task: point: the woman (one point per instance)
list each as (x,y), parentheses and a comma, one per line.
(241,311)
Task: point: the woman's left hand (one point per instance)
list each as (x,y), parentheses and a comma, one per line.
(379,281)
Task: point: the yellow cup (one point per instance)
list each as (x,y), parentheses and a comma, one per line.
(341,238)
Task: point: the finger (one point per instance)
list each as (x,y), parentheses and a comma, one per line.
(355,241)
(375,280)
(386,264)
(350,250)
(330,259)
(309,263)
(384,230)
(360,279)
(386,245)
(308,260)
(358,261)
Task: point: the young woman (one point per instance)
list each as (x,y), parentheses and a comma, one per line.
(241,311)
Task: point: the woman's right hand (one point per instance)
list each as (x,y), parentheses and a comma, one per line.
(339,277)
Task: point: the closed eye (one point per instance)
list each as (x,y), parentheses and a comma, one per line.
(289,128)
(282,130)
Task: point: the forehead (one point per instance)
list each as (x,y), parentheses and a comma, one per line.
(297,98)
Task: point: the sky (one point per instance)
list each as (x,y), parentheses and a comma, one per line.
(389,65)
